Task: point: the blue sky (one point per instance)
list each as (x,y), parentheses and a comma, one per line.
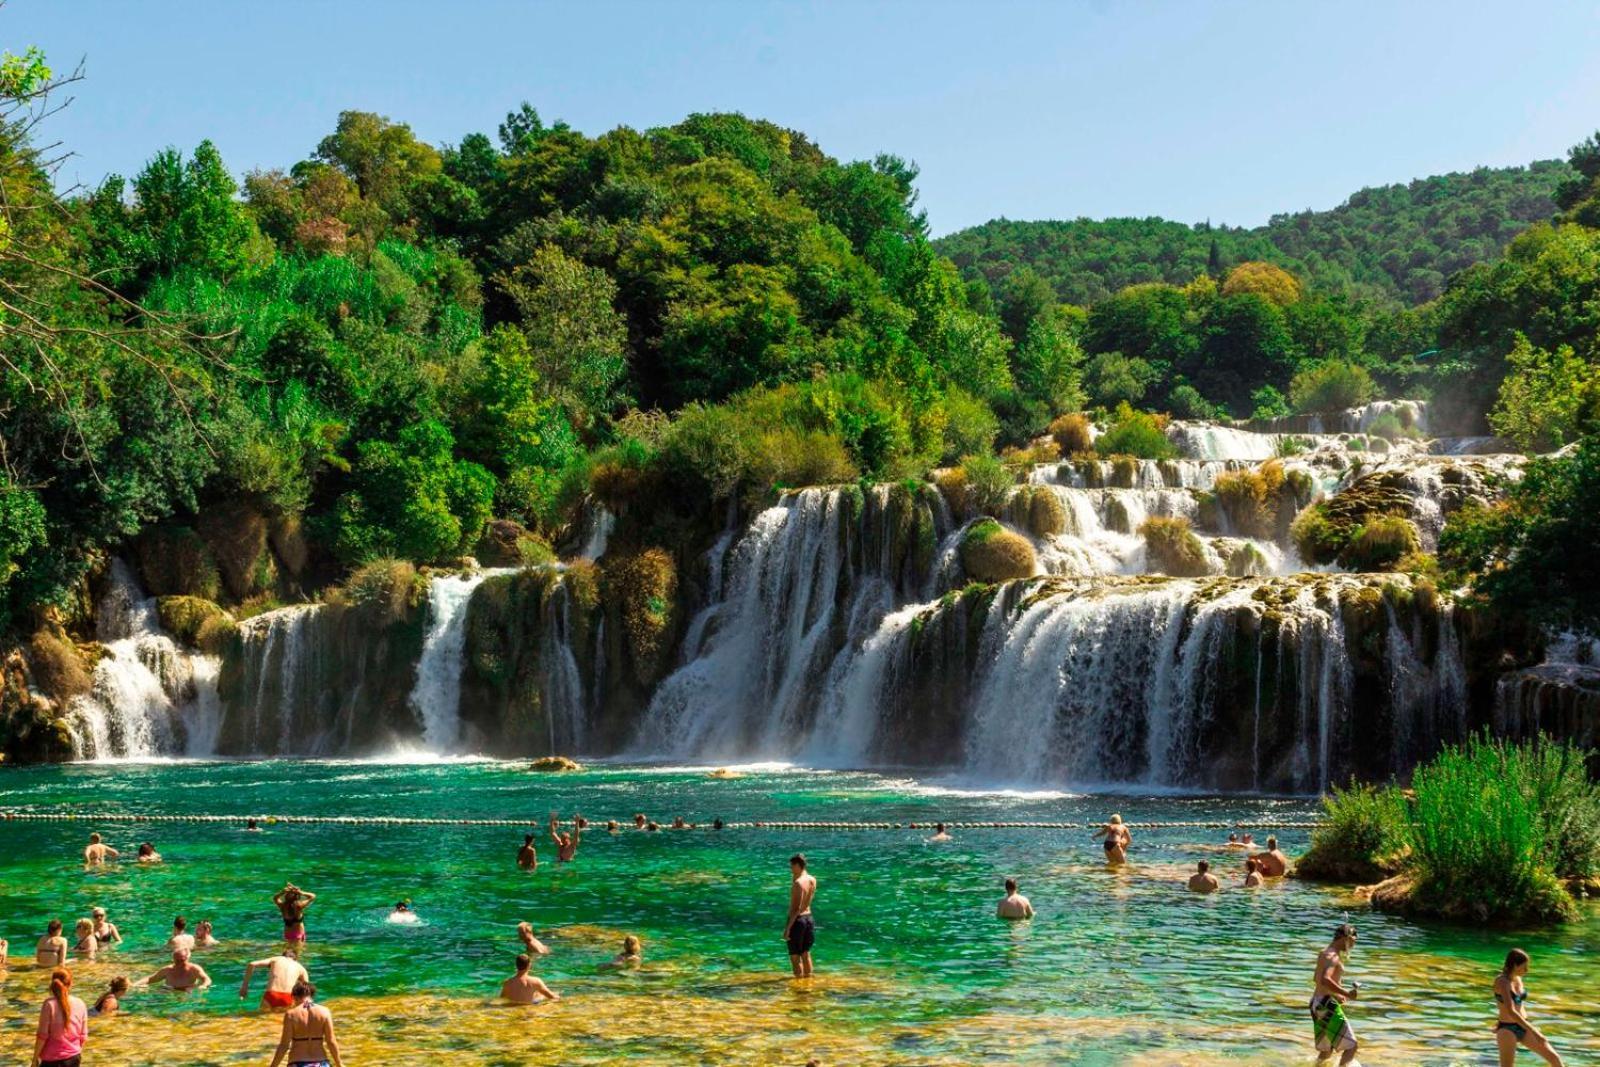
(1228,111)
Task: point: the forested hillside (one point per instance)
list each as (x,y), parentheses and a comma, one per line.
(1395,244)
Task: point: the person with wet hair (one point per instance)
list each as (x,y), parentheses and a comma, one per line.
(1014,905)
(51,951)
(148,853)
(630,958)
(1330,1030)
(1252,873)
(528,854)
(1202,880)
(524,988)
(110,1001)
(292,902)
(801,930)
(1512,1027)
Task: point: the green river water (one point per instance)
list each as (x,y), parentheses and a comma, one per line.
(912,967)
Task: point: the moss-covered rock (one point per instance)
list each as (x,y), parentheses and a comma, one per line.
(236,534)
(555,765)
(57,667)
(952,482)
(196,622)
(1173,547)
(1381,544)
(1325,530)
(175,561)
(992,553)
(286,535)
(640,593)
(33,728)
(386,590)
(1247,560)
(1260,501)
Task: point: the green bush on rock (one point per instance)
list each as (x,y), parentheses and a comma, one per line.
(1137,434)
(1364,836)
(1381,544)
(1173,547)
(196,622)
(991,553)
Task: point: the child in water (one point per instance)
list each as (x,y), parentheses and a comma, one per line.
(402,913)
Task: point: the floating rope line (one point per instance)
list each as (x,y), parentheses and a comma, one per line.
(593,825)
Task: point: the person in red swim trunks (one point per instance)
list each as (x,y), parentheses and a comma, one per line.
(283,972)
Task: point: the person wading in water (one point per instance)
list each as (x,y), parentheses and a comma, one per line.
(800,931)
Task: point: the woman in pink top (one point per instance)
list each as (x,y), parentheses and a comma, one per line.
(63,1025)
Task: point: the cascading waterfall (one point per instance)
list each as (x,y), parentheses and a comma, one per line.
(436,696)
(148,697)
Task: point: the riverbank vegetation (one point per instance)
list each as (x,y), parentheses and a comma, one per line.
(1531,843)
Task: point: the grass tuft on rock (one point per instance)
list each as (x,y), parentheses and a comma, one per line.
(991,553)
(1173,547)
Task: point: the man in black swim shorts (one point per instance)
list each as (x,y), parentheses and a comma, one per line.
(800,931)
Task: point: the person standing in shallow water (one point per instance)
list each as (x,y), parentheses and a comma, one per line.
(801,930)
(1117,840)
(63,1025)
(528,855)
(97,852)
(1014,905)
(307,1037)
(292,902)
(1329,1028)
(1202,880)
(1512,1027)
(1273,863)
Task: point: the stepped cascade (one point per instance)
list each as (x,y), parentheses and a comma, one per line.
(1154,624)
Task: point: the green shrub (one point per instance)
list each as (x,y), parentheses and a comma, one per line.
(1252,499)
(1324,530)
(788,458)
(1381,544)
(1389,427)
(706,447)
(1073,434)
(1136,433)
(1363,837)
(1268,403)
(988,483)
(1248,560)
(1173,548)
(1187,403)
(1331,386)
(1484,845)
(640,591)
(387,589)
(57,667)
(1043,512)
(991,553)
(970,425)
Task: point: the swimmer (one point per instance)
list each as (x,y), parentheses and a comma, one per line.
(1202,880)
(284,972)
(251,826)
(402,913)
(63,1024)
(1117,840)
(939,833)
(1252,873)
(1511,1026)
(612,827)
(579,822)
(639,821)
(1014,905)
(652,826)
(106,932)
(528,855)
(86,944)
(148,853)
(202,935)
(534,946)
(801,929)
(716,824)
(566,844)
(1248,841)
(181,937)
(111,1000)
(679,824)
(292,902)
(179,976)
(630,958)
(523,987)
(1274,864)
(51,951)
(1234,842)
(97,853)
(1329,1028)
(307,1038)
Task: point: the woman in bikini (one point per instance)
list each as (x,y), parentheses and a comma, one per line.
(105,932)
(111,1000)
(307,1039)
(86,945)
(292,902)
(1512,1026)
(1117,840)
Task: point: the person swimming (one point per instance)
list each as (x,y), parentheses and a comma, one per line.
(181,937)
(51,951)
(1014,905)
(403,914)
(639,821)
(566,844)
(202,935)
(148,853)
(292,902)
(528,854)
(534,946)
(612,827)
(524,988)
(111,1000)
(307,1036)
(940,833)
(1252,873)
(1512,1027)
(86,944)
(1274,864)
(251,826)
(180,975)
(284,972)
(630,958)
(1234,842)
(1202,880)
(106,932)
(97,852)
(1117,840)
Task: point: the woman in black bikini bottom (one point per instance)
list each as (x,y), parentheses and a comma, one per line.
(1512,1026)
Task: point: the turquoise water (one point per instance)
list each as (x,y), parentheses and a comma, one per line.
(912,967)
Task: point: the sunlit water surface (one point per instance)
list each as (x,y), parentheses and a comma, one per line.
(912,966)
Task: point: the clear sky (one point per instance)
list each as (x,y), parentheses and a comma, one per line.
(1229,110)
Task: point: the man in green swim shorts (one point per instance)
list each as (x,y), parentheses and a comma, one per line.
(1329,1028)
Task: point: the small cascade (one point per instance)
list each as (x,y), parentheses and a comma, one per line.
(436,696)
(1407,414)
(1560,696)
(287,704)
(565,702)
(599,523)
(147,695)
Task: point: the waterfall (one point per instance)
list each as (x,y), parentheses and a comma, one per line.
(145,689)
(600,524)
(564,700)
(436,696)
(288,704)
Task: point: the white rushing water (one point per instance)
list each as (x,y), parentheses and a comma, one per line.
(148,697)
(436,696)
